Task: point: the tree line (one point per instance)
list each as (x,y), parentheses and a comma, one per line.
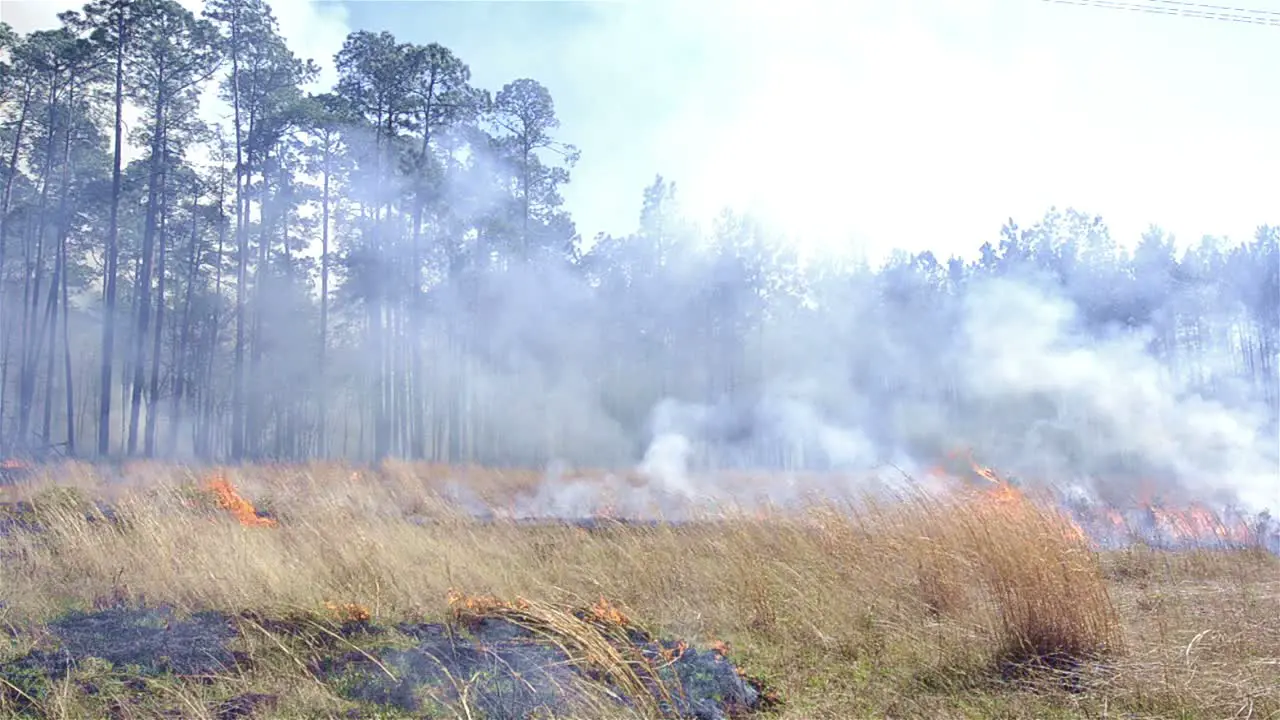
(387,269)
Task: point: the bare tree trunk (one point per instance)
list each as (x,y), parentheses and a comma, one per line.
(112,251)
(415,406)
(69,391)
(59,273)
(215,321)
(181,353)
(31,340)
(261,275)
(46,426)
(144,279)
(153,391)
(322,431)
(5,202)
(126,368)
(242,244)
(49,330)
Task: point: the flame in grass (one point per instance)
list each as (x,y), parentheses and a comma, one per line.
(347,613)
(228,499)
(999,495)
(1147,520)
(1191,523)
(1198,523)
(673,654)
(464,606)
(1193,526)
(606,612)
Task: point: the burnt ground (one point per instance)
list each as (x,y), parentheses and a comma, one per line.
(497,668)
(510,671)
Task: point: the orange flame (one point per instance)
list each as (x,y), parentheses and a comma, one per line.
(349,612)
(985,472)
(1199,523)
(608,613)
(231,501)
(461,604)
(673,654)
(1193,524)
(1003,497)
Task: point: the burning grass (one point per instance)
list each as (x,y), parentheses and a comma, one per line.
(242,510)
(971,604)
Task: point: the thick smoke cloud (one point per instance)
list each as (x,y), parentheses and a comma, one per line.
(1014,375)
(1101,407)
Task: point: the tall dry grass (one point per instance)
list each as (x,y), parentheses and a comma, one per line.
(864,607)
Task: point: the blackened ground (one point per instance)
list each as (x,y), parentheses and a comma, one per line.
(155,641)
(504,676)
(506,670)
(509,672)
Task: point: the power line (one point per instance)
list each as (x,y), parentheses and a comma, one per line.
(1184,8)
(1215,8)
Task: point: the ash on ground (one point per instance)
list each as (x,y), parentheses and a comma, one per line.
(154,641)
(495,666)
(508,671)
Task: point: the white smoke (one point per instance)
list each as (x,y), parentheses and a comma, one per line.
(1040,400)
(1110,398)
(666,462)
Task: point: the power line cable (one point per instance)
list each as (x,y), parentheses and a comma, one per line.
(1213,8)
(1184,8)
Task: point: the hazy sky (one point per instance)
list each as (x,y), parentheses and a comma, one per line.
(895,123)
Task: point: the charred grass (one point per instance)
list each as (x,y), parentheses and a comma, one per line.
(974,605)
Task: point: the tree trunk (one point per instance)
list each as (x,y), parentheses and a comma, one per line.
(69,391)
(153,391)
(144,277)
(242,244)
(59,273)
(215,329)
(261,275)
(32,341)
(181,354)
(5,201)
(112,251)
(322,431)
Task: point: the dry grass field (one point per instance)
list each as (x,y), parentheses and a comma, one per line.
(980,603)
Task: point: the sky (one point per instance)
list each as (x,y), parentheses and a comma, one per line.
(914,124)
